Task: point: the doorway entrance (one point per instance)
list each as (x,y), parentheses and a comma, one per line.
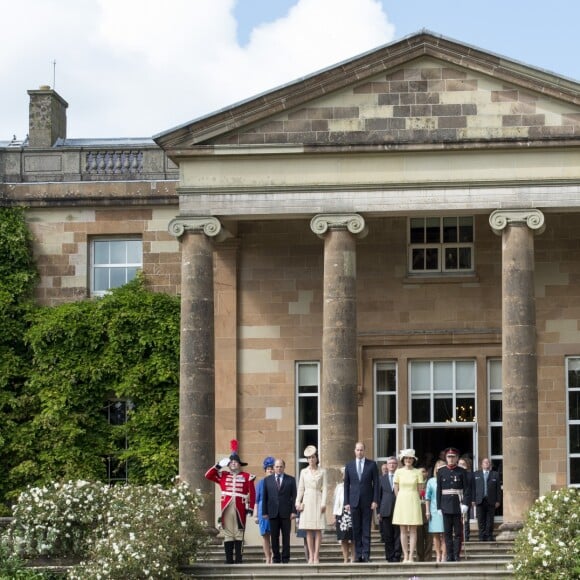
(430,441)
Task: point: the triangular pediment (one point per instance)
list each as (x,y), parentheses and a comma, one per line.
(422,90)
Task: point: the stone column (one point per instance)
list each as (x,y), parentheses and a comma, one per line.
(519,364)
(196,367)
(338,394)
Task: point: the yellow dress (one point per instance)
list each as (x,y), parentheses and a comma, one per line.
(312,493)
(408,503)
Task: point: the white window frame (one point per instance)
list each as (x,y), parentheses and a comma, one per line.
(433,394)
(494,392)
(570,422)
(127,266)
(300,428)
(381,428)
(441,246)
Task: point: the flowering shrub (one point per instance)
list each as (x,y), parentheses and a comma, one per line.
(125,531)
(548,546)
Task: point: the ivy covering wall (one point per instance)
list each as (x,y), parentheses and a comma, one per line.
(60,367)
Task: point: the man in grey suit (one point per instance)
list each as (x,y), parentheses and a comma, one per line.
(390,533)
(279,506)
(361,497)
(486,495)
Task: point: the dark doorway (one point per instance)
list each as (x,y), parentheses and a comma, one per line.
(429,442)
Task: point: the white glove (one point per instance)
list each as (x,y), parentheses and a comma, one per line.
(224,462)
(464,509)
(439,512)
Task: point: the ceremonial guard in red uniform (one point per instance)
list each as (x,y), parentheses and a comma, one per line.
(453,499)
(237,500)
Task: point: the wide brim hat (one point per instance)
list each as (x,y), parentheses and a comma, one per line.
(407,453)
(234,455)
(309,451)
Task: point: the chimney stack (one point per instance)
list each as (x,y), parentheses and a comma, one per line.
(46,118)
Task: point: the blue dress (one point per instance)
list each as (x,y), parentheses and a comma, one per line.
(263,524)
(436,519)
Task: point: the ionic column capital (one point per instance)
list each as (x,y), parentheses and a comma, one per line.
(353,222)
(208,225)
(501,218)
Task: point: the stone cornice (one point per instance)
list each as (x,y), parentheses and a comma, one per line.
(353,222)
(501,218)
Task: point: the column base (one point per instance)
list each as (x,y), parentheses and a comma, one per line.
(508,531)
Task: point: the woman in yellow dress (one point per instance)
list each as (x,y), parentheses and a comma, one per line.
(311,503)
(407,514)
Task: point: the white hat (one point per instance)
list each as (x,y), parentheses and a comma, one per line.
(407,453)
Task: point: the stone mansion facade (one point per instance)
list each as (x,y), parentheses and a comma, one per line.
(385,251)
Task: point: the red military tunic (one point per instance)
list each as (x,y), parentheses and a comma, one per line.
(236,487)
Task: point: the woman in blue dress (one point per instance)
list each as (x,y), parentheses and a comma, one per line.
(433,515)
(264,525)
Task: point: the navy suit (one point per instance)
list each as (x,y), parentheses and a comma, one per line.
(359,495)
(279,505)
(391,533)
(485,501)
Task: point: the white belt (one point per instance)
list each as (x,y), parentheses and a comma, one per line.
(451,492)
(229,494)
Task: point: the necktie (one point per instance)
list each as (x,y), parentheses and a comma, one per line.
(485,483)
(278,481)
(391,480)
(360,468)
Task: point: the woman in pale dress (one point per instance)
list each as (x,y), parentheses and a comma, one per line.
(434,517)
(408,483)
(311,503)
(343,522)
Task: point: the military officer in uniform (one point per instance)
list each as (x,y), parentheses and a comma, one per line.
(237,500)
(453,499)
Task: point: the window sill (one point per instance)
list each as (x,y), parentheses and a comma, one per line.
(441,279)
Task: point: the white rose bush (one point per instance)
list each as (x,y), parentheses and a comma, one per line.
(124,531)
(548,546)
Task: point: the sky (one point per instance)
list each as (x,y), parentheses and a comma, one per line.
(135,68)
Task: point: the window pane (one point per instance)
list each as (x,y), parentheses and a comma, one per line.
(465,259)
(386,442)
(134,252)
(101,281)
(466,229)
(432,231)
(308,410)
(432,259)
(443,409)
(451,258)
(465,411)
(118,277)
(574,438)
(386,377)
(443,376)
(386,409)
(101,252)
(449,230)
(495,410)
(418,258)
(465,376)
(420,411)
(574,405)
(496,445)
(420,376)
(118,413)
(495,375)
(573,378)
(417,231)
(307,437)
(118,251)
(307,376)
(575,470)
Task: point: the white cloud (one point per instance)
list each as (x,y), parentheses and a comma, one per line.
(137,67)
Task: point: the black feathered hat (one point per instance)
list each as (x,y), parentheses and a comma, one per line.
(234,454)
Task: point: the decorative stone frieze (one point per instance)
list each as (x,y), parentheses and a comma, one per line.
(501,218)
(353,222)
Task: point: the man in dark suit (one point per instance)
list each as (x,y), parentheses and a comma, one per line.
(361,497)
(279,506)
(390,533)
(486,493)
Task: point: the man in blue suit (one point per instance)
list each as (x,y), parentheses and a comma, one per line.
(361,497)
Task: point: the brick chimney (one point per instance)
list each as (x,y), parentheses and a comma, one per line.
(46,117)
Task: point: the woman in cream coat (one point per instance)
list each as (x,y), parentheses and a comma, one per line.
(311,503)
